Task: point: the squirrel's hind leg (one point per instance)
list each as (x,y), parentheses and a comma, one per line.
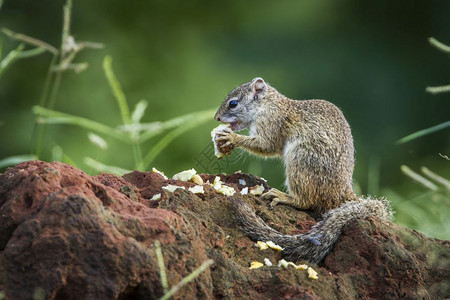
(279,197)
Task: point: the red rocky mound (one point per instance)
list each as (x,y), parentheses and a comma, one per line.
(67,235)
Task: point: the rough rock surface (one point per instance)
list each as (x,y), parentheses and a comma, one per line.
(67,235)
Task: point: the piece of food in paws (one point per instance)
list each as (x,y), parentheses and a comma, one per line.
(219,150)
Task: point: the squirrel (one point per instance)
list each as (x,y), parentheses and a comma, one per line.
(314,140)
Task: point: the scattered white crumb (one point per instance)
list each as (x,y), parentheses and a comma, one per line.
(299,267)
(257,190)
(312,273)
(197,179)
(221,188)
(263,179)
(274,246)
(242,182)
(198,189)
(217,184)
(267,262)
(227,190)
(171,188)
(159,172)
(261,245)
(185,175)
(244,191)
(156,197)
(227,237)
(255,265)
(282,263)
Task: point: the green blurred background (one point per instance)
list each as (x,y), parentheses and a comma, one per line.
(370,58)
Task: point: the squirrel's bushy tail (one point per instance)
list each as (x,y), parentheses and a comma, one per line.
(314,245)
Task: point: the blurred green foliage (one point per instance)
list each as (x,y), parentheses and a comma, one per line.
(371,58)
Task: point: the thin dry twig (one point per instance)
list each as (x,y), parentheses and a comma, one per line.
(29,40)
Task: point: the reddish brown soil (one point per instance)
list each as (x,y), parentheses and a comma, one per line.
(68,235)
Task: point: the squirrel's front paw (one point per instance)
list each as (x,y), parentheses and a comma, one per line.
(226,140)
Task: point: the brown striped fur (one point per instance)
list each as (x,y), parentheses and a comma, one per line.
(315,142)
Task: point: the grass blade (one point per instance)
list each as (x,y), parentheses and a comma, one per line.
(14,160)
(55,117)
(67,13)
(436,177)
(168,138)
(32,52)
(438,89)
(161,266)
(139,111)
(10,58)
(90,45)
(100,167)
(187,279)
(97,140)
(57,153)
(444,156)
(439,45)
(158,127)
(419,178)
(423,132)
(117,90)
(29,40)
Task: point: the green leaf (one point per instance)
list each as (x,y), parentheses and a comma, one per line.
(10,58)
(200,118)
(100,167)
(14,160)
(438,89)
(32,52)
(68,160)
(158,127)
(117,90)
(444,48)
(423,132)
(139,111)
(56,117)
(418,178)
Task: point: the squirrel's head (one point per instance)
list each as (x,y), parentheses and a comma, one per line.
(239,107)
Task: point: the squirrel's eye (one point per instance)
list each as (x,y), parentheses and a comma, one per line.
(233,104)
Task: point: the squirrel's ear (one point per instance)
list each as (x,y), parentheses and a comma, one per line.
(259,86)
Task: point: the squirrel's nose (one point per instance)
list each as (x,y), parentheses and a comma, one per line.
(217,118)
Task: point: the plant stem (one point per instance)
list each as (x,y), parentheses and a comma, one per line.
(117,90)
(439,45)
(162,143)
(41,128)
(10,58)
(161,266)
(438,89)
(187,279)
(29,40)
(56,117)
(419,178)
(138,162)
(423,132)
